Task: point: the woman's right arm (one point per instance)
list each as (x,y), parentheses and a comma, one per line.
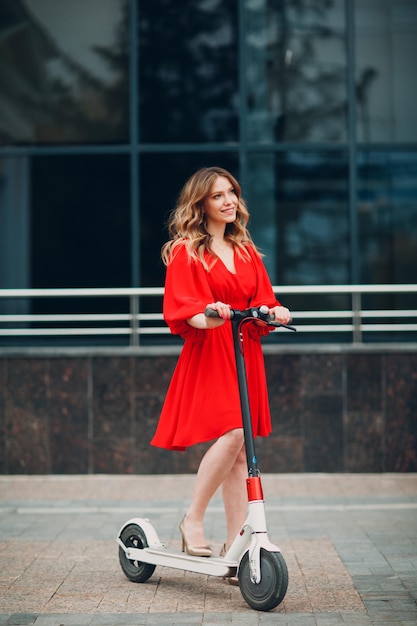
(187,294)
(205,323)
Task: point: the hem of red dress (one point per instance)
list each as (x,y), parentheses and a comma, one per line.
(184,447)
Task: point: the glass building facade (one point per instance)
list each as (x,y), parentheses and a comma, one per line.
(107,106)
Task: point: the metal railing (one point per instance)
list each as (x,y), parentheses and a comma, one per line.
(352,320)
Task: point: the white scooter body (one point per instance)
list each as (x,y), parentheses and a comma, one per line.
(253,534)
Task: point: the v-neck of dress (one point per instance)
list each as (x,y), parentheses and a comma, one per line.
(234,272)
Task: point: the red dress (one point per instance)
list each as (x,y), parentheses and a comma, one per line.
(202,402)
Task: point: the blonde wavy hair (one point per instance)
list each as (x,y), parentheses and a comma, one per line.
(186,224)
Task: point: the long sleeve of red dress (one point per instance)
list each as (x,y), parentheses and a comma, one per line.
(202,402)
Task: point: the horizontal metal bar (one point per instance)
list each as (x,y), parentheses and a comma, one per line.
(76,317)
(325,289)
(298,315)
(387,313)
(87,317)
(389,327)
(84,293)
(306,328)
(159,291)
(27,332)
(344,314)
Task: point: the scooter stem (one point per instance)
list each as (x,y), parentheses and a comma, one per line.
(244,398)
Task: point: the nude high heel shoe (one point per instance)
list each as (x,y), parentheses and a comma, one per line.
(193,550)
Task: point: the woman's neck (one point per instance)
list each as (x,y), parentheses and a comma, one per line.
(217,232)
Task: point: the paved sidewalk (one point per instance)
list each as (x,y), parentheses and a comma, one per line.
(350,543)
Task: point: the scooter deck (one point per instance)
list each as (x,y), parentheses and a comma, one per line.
(211,566)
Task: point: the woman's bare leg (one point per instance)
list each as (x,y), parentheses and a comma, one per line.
(235,497)
(214,468)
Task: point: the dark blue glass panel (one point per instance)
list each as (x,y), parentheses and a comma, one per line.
(386,85)
(295,70)
(80,225)
(299,215)
(387,213)
(188,71)
(63,71)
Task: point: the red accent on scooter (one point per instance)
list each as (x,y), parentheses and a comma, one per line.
(254,487)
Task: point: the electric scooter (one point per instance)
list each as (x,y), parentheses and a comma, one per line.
(259,565)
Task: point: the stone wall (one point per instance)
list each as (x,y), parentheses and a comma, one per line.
(335,411)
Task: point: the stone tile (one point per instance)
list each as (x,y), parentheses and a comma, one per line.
(323,414)
(364,434)
(69,434)
(280,454)
(321,374)
(20,619)
(64,620)
(364,382)
(69,376)
(401,411)
(27,417)
(152,375)
(284,386)
(112,404)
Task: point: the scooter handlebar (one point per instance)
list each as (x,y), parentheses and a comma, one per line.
(256,313)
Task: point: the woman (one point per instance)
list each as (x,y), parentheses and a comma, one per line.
(212,262)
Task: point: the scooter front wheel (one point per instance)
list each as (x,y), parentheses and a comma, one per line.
(272,587)
(133,536)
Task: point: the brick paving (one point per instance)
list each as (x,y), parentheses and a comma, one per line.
(349,541)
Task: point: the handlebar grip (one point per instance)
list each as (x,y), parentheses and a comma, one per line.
(213,313)
(210,312)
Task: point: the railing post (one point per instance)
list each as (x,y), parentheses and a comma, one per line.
(357,316)
(134,320)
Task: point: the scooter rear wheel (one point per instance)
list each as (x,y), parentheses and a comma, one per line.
(271,589)
(133,536)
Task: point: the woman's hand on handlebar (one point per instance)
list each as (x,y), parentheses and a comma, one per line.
(280,314)
(203,322)
(222,309)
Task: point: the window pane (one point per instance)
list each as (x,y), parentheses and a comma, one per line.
(80,221)
(188,75)
(386,52)
(299,216)
(387,204)
(162,177)
(63,71)
(296,70)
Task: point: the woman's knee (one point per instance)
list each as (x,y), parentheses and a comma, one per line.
(234,439)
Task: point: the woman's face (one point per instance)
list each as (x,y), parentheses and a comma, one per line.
(221,203)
